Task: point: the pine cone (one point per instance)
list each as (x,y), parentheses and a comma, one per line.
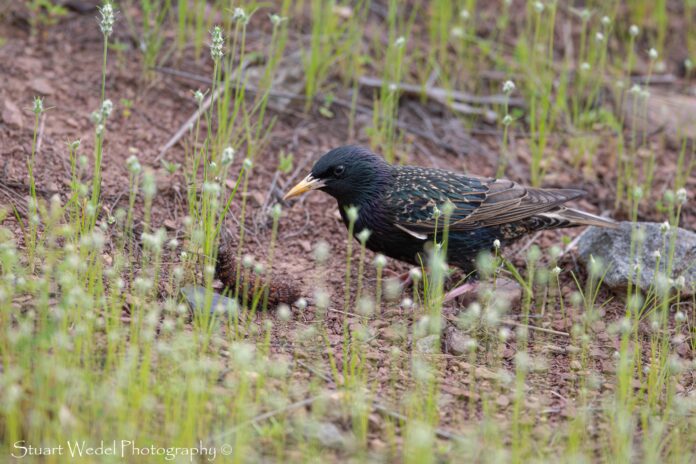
(280,289)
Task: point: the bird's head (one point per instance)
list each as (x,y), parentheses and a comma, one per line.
(350,174)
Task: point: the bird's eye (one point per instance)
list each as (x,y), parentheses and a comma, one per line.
(338,170)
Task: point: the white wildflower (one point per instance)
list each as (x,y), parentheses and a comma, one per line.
(276,20)
(38,105)
(682,196)
(380,261)
(106,24)
(227,156)
(216,44)
(415,274)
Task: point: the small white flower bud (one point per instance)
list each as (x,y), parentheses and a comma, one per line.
(38,105)
(652,53)
(504,334)
(682,196)
(276,20)
(211,188)
(106,108)
(352,213)
(415,274)
(216,43)
(227,156)
(539,7)
(240,15)
(133,164)
(400,41)
(380,261)
(284,313)
(106,24)
(633,30)
(247,261)
(363,235)
(508,87)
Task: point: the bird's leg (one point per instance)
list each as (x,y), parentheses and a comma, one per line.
(469,287)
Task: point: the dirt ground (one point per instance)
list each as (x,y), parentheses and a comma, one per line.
(63,65)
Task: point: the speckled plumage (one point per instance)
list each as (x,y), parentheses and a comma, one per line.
(399,205)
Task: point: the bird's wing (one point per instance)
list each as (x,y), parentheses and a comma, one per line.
(418,193)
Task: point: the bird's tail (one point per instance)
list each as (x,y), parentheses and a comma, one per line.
(581,218)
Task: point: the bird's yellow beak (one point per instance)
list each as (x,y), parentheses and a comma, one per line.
(305,185)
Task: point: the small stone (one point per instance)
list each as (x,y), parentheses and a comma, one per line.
(487,374)
(429,344)
(509,291)
(502,401)
(457,343)
(42,86)
(613,248)
(392,334)
(327,434)
(11,114)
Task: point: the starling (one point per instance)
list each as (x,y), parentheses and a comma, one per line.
(402,206)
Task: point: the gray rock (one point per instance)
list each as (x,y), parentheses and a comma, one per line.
(328,435)
(613,248)
(457,342)
(196,298)
(428,345)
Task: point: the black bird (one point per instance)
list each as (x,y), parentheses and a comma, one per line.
(399,205)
